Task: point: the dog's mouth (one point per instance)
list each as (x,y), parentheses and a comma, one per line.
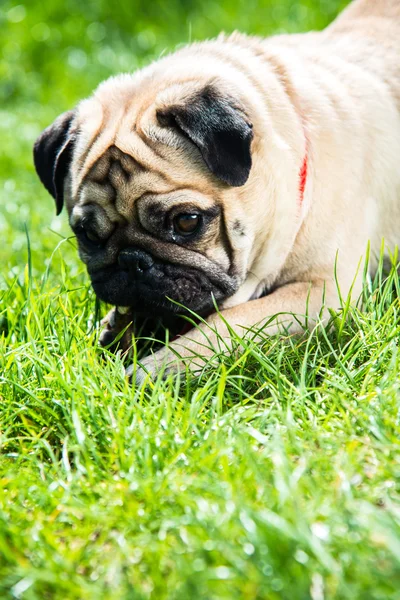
(163,289)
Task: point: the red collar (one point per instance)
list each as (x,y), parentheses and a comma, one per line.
(303,177)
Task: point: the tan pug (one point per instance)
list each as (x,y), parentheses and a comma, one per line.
(236,173)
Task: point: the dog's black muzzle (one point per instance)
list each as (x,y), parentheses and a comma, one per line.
(153,287)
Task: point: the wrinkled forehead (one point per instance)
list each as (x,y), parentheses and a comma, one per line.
(112,164)
(122,175)
(108,136)
(121,153)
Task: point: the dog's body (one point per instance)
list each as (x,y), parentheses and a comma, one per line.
(285,150)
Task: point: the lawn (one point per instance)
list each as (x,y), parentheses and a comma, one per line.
(273,476)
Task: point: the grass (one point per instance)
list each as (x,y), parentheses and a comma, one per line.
(273,476)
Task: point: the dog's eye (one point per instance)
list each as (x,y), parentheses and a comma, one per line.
(186,223)
(89,238)
(92,237)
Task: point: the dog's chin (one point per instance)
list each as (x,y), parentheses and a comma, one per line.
(166,292)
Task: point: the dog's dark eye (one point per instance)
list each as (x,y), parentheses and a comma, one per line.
(186,223)
(88,237)
(92,237)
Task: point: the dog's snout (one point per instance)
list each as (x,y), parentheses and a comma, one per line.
(135,261)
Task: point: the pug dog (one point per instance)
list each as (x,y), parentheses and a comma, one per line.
(240,179)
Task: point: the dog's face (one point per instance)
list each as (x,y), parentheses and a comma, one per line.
(152,180)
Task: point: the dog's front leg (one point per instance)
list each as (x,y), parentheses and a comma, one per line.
(117,329)
(290,308)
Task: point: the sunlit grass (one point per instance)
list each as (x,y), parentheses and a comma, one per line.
(275,475)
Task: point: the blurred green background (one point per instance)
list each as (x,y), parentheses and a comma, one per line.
(290,472)
(54,52)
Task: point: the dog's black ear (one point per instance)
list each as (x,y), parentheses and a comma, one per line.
(219,130)
(52,155)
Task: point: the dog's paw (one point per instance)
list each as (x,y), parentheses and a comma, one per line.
(162,362)
(117,330)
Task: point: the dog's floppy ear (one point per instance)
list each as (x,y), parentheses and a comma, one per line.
(219,130)
(52,154)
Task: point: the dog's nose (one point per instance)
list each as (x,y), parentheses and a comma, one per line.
(134,260)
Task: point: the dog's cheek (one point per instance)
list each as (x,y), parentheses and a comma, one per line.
(216,246)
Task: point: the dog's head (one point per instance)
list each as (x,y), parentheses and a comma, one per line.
(151,176)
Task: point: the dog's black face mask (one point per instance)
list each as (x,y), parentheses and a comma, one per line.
(152,286)
(138,261)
